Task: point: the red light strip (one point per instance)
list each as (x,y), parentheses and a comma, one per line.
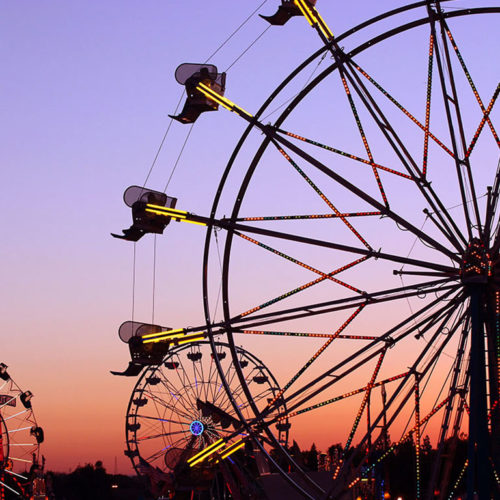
(369,388)
(298,262)
(408,434)
(364,139)
(460,476)
(313,216)
(417,435)
(404,110)
(323,197)
(428,105)
(473,87)
(354,482)
(497,325)
(495,472)
(486,117)
(343,396)
(303,287)
(307,334)
(323,347)
(343,153)
(492,409)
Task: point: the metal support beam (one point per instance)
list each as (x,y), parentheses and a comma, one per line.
(478,472)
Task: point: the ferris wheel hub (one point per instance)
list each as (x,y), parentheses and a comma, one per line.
(196,428)
(477,264)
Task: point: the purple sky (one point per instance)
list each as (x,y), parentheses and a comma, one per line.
(85,94)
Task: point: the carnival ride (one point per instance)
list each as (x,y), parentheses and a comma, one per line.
(325,249)
(178,409)
(20,440)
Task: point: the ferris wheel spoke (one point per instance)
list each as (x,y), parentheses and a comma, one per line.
(424,369)
(243,228)
(159,419)
(347,155)
(330,401)
(428,97)
(197,380)
(406,435)
(212,378)
(349,75)
(403,154)
(457,368)
(307,216)
(357,119)
(454,120)
(486,111)
(423,127)
(158,400)
(298,262)
(398,147)
(378,344)
(414,369)
(341,328)
(304,334)
(225,403)
(221,395)
(303,287)
(364,401)
(365,197)
(160,453)
(484,119)
(156,436)
(309,310)
(173,391)
(321,194)
(491,208)
(179,407)
(185,382)
(239,390)
(204,388)
(257,397)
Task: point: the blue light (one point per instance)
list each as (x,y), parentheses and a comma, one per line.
(196,428)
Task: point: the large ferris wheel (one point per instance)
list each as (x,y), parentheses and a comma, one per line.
(360,248)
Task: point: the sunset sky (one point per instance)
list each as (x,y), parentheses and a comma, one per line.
(85,96)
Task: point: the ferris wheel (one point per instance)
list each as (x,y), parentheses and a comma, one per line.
(362,246)
(181,430)
(21,438)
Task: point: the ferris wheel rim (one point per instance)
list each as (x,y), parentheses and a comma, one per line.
(265,143)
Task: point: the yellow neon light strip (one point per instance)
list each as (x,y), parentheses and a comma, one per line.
(167,211)
(180,212)
(191,339)
(175,337)
(223,101)
(305,11)
(232,448)
(215,443)
(206,453)
(165,332)
(166,214)
(160,339)
(324,27)
(314,18)
(194,222)
(214,96)
(232,451)
(174,216)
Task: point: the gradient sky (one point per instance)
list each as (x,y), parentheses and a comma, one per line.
(85,94)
